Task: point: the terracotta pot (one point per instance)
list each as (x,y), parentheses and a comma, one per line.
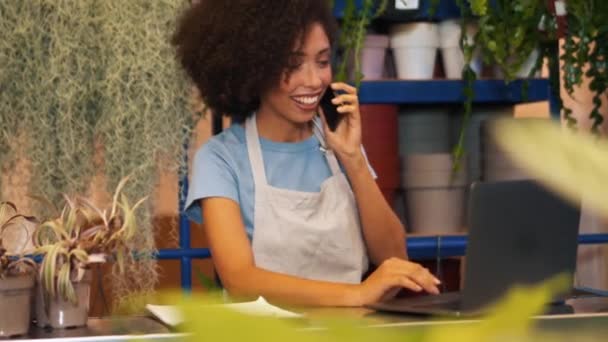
(380,139)
(389,196)
(62,313)
(15,305)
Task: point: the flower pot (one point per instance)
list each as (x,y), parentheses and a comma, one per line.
(62,313)
(373,56)
(475,145)
(525,69)
(415,49)
(380,139)
(424,130)
(434,196)
(451,54)
(15,305)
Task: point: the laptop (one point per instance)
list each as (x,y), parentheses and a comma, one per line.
(519,233)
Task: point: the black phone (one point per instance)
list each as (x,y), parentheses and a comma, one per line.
(330,110)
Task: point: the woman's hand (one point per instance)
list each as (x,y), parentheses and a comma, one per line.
(345,141)
(393,275)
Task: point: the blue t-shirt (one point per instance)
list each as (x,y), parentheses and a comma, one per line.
(221,168)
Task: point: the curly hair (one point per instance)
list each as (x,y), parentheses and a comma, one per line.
(236,50)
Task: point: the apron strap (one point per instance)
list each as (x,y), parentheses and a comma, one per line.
(329,154)
(255,151)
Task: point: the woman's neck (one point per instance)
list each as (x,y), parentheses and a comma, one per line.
(277,128)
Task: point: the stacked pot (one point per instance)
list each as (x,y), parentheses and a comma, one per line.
(434,194)
(380,140)
(15,301)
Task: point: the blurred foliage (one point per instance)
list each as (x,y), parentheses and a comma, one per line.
(571,163)
(507,320)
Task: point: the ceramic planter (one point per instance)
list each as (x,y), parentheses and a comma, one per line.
(415,49)
(15,305)
(424,129)
(373,56)
(451,54)
(434,197)
(62,313)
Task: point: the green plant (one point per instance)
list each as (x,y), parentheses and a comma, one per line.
(68,241)
(93,87)
(510,30)
(352,35)
(585,51)
(508,33)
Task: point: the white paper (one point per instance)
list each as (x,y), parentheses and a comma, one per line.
(261,307)
(171,315)
(167,314)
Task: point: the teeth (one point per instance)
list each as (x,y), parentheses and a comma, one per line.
(307,100)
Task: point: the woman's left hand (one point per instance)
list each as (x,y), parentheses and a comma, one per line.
(345,141)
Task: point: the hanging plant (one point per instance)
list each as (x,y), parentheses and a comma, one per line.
(510,29)
(94,87)
(353,29)
(585,51)
(508,34)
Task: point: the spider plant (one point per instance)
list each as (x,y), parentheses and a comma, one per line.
(69,242)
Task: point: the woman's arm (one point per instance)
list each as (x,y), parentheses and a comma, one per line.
(383,232)
(233,259)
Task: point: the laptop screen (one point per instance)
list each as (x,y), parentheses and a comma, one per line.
(519,233)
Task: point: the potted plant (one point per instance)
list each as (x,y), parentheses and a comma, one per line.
(358,14)
(16,277)
(511,31)
(81,235)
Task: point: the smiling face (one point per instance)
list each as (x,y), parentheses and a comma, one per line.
(296,98)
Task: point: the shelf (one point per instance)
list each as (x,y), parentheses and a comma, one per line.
(450,91)
(447,9)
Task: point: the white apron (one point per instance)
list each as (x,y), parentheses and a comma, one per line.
(309,235)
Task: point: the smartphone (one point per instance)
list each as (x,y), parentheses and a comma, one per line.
(330,110)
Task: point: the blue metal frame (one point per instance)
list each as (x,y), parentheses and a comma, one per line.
(451,91)
(431,247)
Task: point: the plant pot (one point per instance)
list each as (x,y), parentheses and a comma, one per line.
(476,143)
(424,130)
(452,56)
(525,69)
(15,305)
(373,56)
(62,313)
(434,196)
(415,49)
(379,135)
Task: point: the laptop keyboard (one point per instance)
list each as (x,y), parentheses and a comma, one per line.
(447,304)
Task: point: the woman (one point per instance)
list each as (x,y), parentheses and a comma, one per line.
(291,209)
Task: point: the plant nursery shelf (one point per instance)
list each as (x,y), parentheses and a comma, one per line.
(451,91)
(417,10)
